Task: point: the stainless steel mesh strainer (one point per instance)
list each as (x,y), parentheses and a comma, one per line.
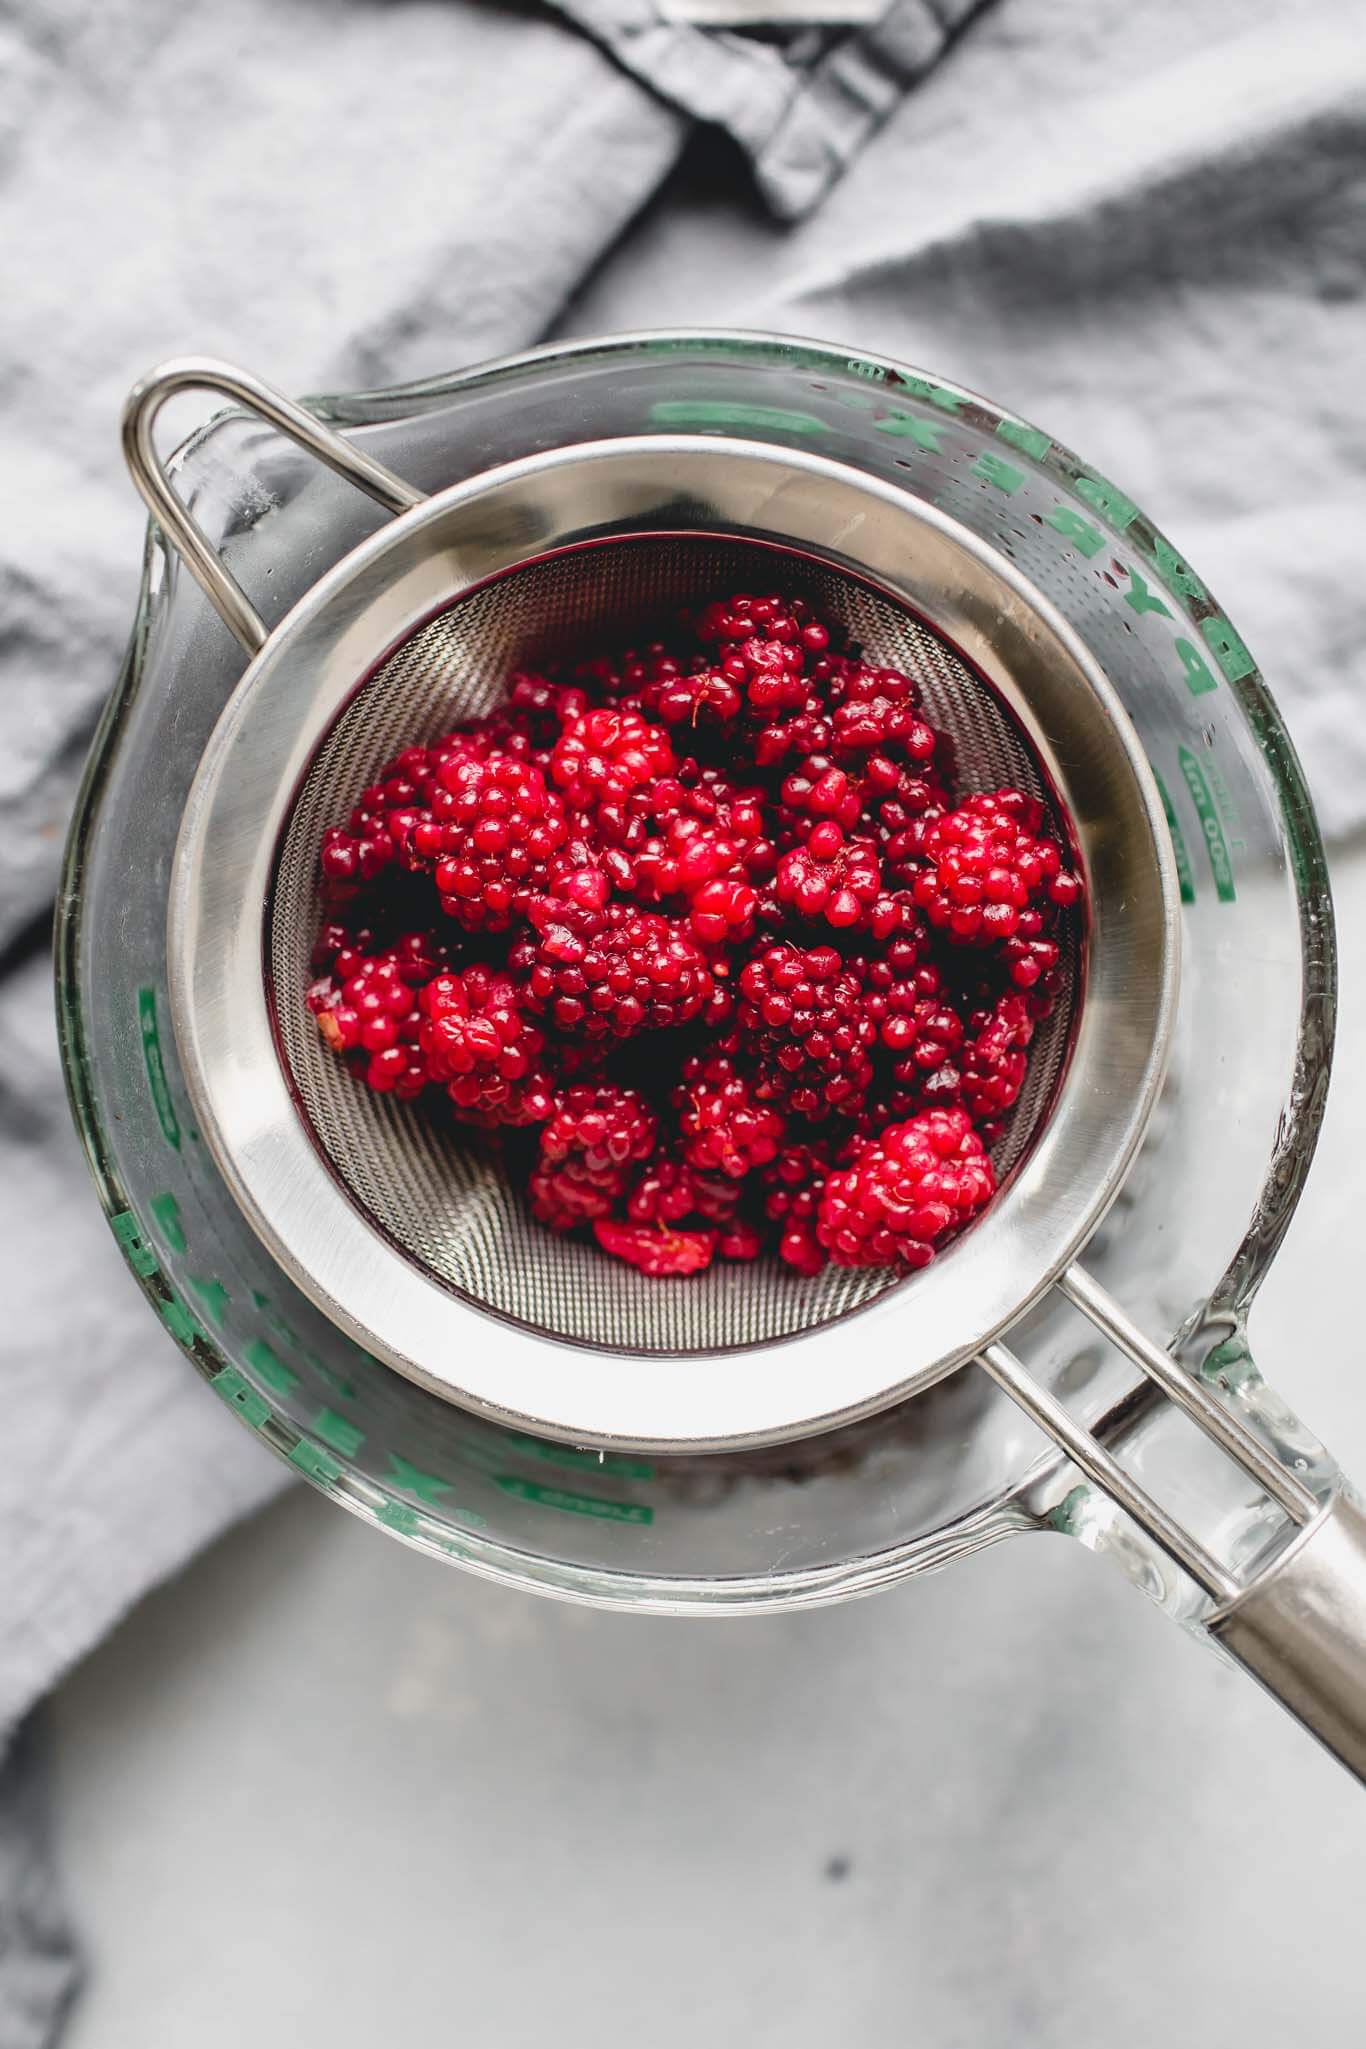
(429,1188)
(411,1242)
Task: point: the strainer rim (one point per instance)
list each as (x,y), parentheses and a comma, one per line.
(367,559)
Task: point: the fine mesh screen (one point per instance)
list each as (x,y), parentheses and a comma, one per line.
(439,1193)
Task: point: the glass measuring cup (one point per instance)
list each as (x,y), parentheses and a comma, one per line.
(1183,1250)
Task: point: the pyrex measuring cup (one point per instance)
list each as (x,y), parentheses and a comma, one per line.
(1200,1212)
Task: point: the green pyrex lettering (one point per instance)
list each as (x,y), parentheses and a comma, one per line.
(270,1366)
(697,412)
(995,470)
(344,1436)
(1140,599)
(1088,540)
(1199,675)
(926,434)
(575,1504)
(166,1215)
(1184,876)
(156,1068)
(1215,844)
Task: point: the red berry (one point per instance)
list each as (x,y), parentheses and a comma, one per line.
(987,872)
(369,1006)
(613,837)
(908,1191)
(605,756)
(494,829)
(793,1185)
(803,1017)
(478,1040)
(567,1193)
(610,972)
(725,1126)
(840,881)
(604,1126)
(656,1250)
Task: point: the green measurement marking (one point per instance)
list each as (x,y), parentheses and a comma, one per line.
(1064,1516)
(926,434)
(1173,570)
(697,412)
(272,1316)
(586,1461)
(1108,501)
(575,1504)
(166,1213)
(214,1297)
(1184,875)
(343,1388)
(136,1250)
(343,1435)
(1215,844)
(1229,648)
(179,1321)
(252,1407)
(993,469)
(936,394)
(270,1366)
(428,1487)
(1031,440)
(396,1515)
(156,1068)
(312,1459)
(1231,1363)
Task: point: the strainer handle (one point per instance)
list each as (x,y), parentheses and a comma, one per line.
(1298,1624)
(1300,1630)
(182,530)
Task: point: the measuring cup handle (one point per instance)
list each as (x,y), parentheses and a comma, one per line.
(1296,1623)
(182,530)
(1300,1629)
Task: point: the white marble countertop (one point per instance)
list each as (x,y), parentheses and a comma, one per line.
(321,1790)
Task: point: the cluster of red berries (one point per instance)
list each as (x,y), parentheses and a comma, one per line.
(706,919)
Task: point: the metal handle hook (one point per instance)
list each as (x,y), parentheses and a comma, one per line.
(182,530)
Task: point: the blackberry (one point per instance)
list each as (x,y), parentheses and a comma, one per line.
(604,757)
(987,872)
(494,829)
(802,1015)
(479,1043)
(906,1193)
(724,1124)
(606,1127)
(839,880)
(606,969)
